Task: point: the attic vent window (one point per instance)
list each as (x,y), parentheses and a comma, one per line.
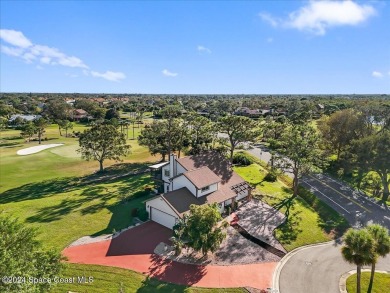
(205,188)
(166,173)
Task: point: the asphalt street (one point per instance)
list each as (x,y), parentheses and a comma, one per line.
(318,270)
(359,209)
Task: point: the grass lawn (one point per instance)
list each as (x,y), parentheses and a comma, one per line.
(52,163)
(48,190)
(65,209)
(307,222)
(381,283)
(109,279)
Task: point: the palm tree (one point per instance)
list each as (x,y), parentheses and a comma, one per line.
(381,238)
(358,249)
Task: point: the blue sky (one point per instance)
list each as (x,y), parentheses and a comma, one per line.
(199,47)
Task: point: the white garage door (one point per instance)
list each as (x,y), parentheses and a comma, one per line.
(162,218)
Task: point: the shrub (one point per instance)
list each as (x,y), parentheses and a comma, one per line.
(271,177)
(242,159)
(143,215)
(134,212)
(229,210)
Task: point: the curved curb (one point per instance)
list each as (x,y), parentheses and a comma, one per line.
(285,259)
(345,276)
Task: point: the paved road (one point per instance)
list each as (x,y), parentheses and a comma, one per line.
(318,270)
(355,206)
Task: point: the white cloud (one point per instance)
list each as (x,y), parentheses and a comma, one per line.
(270,40)
(15,38)
(71,75)
(11,51)
(269,19)
(166,72)
(39,67)
(46,60)
(25,49)
(109,75)
(29,57)
(317,16)
(203,49)
(54,56)
(20,46)
(377,74)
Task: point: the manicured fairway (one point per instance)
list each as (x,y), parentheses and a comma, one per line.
(62,161)
(65,209)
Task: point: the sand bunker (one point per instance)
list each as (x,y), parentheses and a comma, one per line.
(37,149)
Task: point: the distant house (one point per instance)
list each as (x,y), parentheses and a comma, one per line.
(79,114)
(200,179)
(70,101)
(24,117)
(245,111)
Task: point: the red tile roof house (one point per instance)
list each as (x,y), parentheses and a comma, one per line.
(200,179)
(79,114)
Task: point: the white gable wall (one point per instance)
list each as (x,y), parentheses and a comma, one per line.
(160,204)
(180,168)
(182,181)
(213,187)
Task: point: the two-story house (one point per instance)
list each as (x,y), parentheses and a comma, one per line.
(200,179)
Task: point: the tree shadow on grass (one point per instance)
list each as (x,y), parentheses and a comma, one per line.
(50,187)
(287,203)
(93,199)
(290,228)
(38,190)
(329,220)
(152,285)
(55,212)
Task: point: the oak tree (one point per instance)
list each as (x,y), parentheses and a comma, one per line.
(103,142)
(22,256)
(238,129)
(298,152)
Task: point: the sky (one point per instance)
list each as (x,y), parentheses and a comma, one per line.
(195,47)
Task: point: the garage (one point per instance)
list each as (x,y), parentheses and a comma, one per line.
(162,218)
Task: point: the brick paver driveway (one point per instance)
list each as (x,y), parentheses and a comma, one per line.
(133,250)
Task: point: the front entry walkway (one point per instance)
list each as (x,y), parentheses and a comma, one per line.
(133,250)
(260,220)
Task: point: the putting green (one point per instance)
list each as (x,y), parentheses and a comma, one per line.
(68,151)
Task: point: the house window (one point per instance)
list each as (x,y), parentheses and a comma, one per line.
(166,173)
(205,188)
